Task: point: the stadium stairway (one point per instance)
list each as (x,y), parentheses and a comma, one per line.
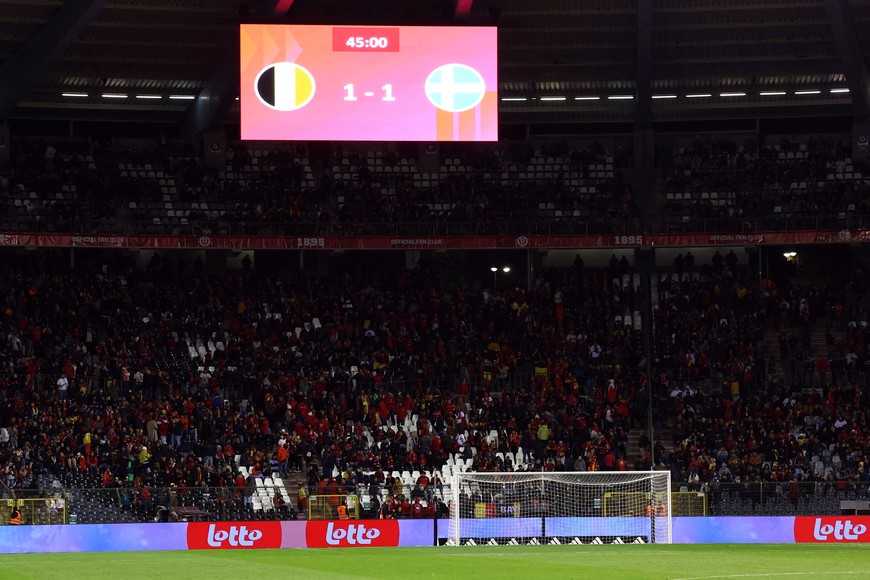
(635,454)
(291,487)
(657,209)
(771,353)
(648,197)
(818,345)
(818,337)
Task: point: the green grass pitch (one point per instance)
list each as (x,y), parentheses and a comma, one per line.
(627,562)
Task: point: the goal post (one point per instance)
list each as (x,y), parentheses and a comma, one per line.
(560,507)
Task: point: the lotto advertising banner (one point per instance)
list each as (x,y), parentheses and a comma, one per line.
(427,243)
(733,530)
(234,535)
(409,533)
(354,534)
(92,538)
(772,530)
(832,530)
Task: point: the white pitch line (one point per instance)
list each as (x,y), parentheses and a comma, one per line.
(763,575)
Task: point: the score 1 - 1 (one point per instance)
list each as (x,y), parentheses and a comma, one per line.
(351,96)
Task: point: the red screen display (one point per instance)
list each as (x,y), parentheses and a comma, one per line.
(368,83)
(365,39)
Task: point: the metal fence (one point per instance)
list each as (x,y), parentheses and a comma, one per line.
(543,227)
(36,511)
(233,385)
(790,222)
(166,504)
(140,505)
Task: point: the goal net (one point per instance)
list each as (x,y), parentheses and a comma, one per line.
(562,507)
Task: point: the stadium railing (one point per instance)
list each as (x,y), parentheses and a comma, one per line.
(493,226)
(130,505)
(240,227)
(790,222)
(491,381)
(136,505)
(775,498)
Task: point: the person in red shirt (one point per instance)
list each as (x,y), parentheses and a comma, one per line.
(418,510)
(405,510)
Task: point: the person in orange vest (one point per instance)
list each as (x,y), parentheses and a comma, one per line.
(661,510)
(342,511)
(15,518)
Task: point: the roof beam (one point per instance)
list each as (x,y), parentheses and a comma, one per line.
(23,70)
(219,93)
(849,50)
(214,100)
(644,64)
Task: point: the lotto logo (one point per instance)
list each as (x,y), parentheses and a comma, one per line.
(831,529)
(338,534)
(233,536)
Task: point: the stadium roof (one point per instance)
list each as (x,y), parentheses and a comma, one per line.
(560,60)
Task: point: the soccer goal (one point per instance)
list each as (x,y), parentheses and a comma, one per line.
(600,507)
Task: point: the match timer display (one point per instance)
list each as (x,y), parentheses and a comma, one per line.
(368,83)
(365,39)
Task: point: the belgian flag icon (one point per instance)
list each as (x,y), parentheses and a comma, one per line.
(285,86)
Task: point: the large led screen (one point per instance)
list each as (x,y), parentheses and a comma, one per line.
(366,83)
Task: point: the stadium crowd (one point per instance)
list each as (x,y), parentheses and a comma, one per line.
(158,381)
(790,184)
(173,376)
(714,184)
(83,186)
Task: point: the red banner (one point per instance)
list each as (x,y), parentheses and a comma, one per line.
(233,535)
(346,533)
(431,242)
(831,529)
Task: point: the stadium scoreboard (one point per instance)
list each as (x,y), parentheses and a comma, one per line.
(368,83)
